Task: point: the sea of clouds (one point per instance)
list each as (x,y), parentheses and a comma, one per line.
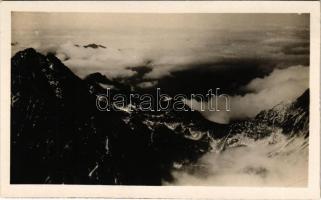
(281,51)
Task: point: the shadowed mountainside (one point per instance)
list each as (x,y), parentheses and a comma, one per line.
(59,136)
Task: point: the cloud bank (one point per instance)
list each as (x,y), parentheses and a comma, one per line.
(252,166)
(177,42)
(282,85)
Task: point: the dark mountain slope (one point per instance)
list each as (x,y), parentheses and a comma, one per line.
(59,136)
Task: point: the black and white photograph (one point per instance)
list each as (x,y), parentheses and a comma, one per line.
(160,99)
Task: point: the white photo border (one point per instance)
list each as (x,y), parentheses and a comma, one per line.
(178,192)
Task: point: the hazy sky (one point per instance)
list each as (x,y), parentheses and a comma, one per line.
(114,22)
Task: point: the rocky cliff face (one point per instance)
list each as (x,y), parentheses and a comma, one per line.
(59,136)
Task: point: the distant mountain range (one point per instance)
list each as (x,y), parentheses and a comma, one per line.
(59,136)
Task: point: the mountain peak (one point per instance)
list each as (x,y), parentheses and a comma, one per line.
(97,77)
(28,51)
(303,100)
(26,56)
(94,46)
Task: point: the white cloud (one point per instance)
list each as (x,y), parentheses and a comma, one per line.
(295,75)
(83,61)
(252,165)
(147,84)
(282,85)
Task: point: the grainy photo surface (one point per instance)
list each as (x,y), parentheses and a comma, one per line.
(160,99)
